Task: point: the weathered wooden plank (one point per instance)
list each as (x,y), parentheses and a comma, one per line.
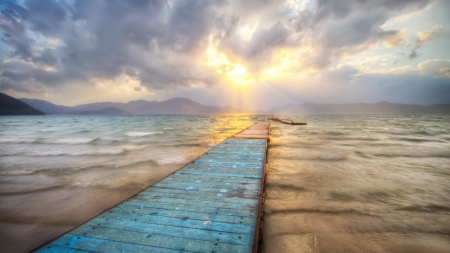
(156,196)
(59,249)
(220,190)
(124,226)
(191,208)
(183,214)
(195,206)
(231,169)
(185,222)
(184,178)
(102,245)
(219,186)
(200,193)
(223,174)
(174,242)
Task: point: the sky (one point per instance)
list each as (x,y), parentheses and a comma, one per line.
(251,54)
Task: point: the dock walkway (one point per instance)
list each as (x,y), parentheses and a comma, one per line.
(211,205)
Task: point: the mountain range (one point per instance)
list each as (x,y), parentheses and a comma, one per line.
(361,108)
(12,106)
(138,107)
(187,106)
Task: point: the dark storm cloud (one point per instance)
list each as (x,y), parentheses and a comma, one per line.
(104,39)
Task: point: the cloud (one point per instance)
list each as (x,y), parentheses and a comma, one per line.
(166,45)
(106,38)
(395,39)
(413,54)
(398,70)
(435,68)
(423,36)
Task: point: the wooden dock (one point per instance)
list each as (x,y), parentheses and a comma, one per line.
(212,205)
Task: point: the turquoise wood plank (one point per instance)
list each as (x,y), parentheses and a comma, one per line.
(102,245)
(164,242)
(59,249)
(198,193)
(223,174)
(162,230)
(156,195)
(211,205)
(179,222)
(184,214)
(191,208)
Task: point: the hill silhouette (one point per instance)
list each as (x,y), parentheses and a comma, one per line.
(12,106)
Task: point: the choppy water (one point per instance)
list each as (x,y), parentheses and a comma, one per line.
(343,183)
(58,171)
(359,183)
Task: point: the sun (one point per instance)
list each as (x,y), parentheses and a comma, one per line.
(235,73)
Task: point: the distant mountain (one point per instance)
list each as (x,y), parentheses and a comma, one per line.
(12,106)
(45,106)
(187,106)
(107,111)
(139,107)
(361,108)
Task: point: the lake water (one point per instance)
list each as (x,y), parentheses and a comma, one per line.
(343,183)
(357,183)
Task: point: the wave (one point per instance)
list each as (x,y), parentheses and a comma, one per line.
(83,152)
(406,132)
(407,155)
(415,140)
(323,157)
(16,140)
(335,133)
(68,170)
(425,208)
(172,160)
(317,210)
(331,157)
(71,141)
(140,134)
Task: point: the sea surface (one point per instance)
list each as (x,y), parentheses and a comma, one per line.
(343,183)
(359,183)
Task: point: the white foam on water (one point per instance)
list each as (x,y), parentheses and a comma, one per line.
(172,160)
(82,152)
(140,134)
(71,141)
(16,140)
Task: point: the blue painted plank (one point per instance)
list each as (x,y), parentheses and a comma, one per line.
(174,242)
(192,208)
(184,214)
(102,245)
(186,222)
(203,202)
(199,193)
(154,229)
(187,195)
(59,249)
(223,174)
